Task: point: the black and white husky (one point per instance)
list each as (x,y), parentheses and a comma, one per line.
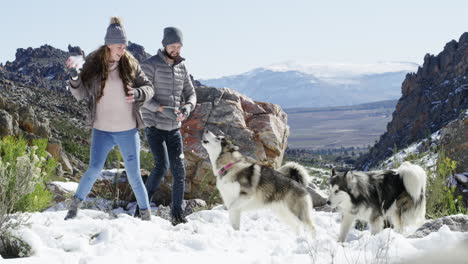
(397,196)
(245,185)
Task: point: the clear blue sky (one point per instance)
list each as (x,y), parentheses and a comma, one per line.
(229,37)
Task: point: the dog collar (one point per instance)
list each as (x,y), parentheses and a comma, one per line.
(225,169)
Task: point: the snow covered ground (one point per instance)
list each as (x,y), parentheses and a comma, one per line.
(208,238)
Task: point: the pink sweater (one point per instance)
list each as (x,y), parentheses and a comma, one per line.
(113,113)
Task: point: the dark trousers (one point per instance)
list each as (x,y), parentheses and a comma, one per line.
(167,148)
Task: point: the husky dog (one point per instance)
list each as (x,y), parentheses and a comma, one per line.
(397,196)
(245,185)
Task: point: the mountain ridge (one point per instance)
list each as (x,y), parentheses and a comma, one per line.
(294,88)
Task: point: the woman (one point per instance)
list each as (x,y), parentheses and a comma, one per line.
(116,88)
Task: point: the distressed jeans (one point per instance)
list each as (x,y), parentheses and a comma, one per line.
(129,145)
(166,147)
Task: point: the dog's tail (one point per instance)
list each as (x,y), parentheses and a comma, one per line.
(414,179)
(296,172)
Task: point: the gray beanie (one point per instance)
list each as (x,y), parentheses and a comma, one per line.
(172,35)
(115,32)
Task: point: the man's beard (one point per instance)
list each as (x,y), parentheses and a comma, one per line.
(169,55)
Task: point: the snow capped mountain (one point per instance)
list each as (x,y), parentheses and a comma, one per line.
(317,85)
(344,70)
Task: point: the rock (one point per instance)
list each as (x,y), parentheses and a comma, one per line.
(61,190)
(6,124)
(31,124)
(54,147)
(191,206)
(319,198)
(456,223)
(194,205)
(164,212)
(462,179)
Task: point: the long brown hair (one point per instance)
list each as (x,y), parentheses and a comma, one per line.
(97,67)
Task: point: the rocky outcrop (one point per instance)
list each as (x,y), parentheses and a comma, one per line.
(16,118)
(431,98)
(138,51)
(44,67)
(258,128)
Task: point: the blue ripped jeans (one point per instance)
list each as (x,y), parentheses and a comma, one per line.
(167,148)
(129,145)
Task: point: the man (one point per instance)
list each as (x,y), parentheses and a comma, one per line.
(173,100)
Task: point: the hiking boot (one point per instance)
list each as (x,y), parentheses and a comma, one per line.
(178,219)
(73,208)
(145,214)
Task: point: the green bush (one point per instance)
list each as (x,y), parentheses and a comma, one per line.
(36,201)
(440,197)
(78,150)
(23,172)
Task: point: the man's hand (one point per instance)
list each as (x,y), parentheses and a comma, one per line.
(183,112)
